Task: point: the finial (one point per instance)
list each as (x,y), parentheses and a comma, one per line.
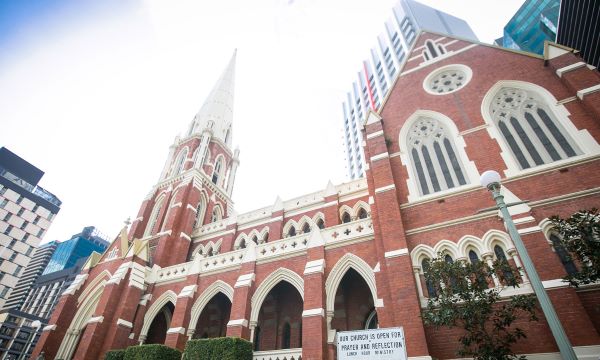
(127,221)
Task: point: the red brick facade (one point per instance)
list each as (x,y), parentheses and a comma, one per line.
(190,271)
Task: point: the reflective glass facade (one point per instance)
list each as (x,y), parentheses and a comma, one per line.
(68,252)
(535,22)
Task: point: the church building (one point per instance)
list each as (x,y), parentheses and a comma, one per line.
(351,256)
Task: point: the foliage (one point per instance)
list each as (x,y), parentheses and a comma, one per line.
(151,352)
(463,296)
(225,348)
(580,236)
(115,355)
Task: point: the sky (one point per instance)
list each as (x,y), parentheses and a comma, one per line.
(94,92)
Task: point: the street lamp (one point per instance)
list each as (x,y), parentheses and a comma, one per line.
(491,180)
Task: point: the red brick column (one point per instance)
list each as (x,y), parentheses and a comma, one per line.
(176,335)
(314,322)
(395,268)
(239,317)
(330,210)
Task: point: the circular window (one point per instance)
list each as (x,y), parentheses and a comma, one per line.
(447,79)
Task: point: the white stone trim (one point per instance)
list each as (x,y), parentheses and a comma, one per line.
(145,299)
(583,92)
(97,319)
(569,68)
(396,253)
(314,312)
(76,284)
(555,284)
(168,232)
(137,276)
(176,205)
(238,322)
(176,330)
(530,230)
(383,155)
(331,203)
(245,280)
(49,327)
(155,308)
(189,206)
(375,134)
(185,236)
(385,188)
(124,323)
(187,291)
(459,67)
(315,266)
(139,219)
(379,303)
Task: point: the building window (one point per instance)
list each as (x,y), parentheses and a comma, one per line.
(37,219)
(292,231)
(286,336)
(7,216)
(3,292)
(362,213)
(447,79)
(563,255)
(24,225)
(154,216)
(17,270)
(40,233)
(217,171)
(180,162)
(306,228)
(21,211)
(530,129)
(433,50)
(8,229)
(216,214)
(433,157)
(3,203)
(200,213)
(501,256)
(428,283)
(321,224)
(346,217)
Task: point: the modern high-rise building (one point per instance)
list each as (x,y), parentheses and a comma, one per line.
(536,21)
(579,28)
(378,72)
(26,212)
(36,266)
(79,246)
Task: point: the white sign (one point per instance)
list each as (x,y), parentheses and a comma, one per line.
(382,344)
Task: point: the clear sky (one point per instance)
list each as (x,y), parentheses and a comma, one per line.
(94,92)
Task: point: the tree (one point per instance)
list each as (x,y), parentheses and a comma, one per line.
(462,297)
(579,235)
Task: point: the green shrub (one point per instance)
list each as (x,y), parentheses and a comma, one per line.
(115,355)
(151,352)
(225,348)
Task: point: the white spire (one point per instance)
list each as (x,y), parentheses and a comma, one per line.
(216,113)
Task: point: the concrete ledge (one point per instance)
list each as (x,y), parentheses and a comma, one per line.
(314,312)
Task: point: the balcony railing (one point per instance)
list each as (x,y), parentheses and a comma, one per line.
(286,354)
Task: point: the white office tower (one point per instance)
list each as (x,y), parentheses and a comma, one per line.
(380,69)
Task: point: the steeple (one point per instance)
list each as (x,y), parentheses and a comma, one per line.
(216,114)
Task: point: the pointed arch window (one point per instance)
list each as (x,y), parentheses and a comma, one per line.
(433,157)
(217,171)
(433,50)
(266,237)
(257,338)
(200,210)
(154,216)
(563,255)
(501,256)
(362,213)
(217,215)
(530,128)
(292,231)
(321,224)
(306,228)
(346,217)
(255,239)
(227,134)
(428,283)
(242,244)
(179,163)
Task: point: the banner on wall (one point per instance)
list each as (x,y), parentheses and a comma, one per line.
(388,344)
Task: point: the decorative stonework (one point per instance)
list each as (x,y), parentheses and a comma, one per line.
(447,79)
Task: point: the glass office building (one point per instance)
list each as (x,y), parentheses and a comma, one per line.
(535,22)
(79,246)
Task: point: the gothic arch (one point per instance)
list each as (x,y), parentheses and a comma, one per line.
(237,244)
(339,270)
(462,166)
(87,307)
(155,308)
(281,274)
(447,247)
(468,243)
(201,209)
(213,289)
(179,163)
(218,175)
(346,209)
(217,213)
(420,253)
(360,205)
(582,143)
(154,215)
(288,225)
(496,237)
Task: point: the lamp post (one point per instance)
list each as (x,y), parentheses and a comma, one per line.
(491,180)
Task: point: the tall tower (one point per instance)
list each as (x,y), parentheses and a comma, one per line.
(196,183)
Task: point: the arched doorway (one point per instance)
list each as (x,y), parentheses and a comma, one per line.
(157,333)
(279,323)
(213,319)
(354,308)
